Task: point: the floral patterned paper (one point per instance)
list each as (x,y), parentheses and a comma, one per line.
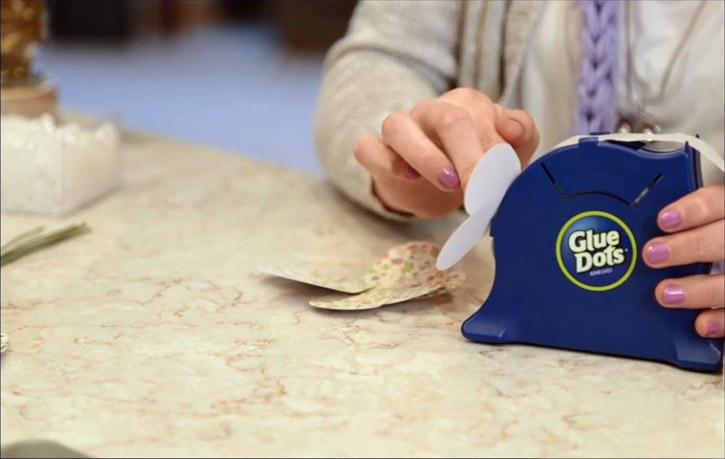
(404,264)
(454,279)
(404,272)
(376,297)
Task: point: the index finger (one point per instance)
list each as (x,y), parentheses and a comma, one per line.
(454,129)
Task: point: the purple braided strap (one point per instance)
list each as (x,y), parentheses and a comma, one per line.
(597,102)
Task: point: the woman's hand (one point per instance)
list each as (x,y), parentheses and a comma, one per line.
(423,160)
(696,227)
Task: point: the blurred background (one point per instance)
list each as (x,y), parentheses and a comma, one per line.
(238,74)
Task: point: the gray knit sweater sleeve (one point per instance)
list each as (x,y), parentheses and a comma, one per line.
(394,54)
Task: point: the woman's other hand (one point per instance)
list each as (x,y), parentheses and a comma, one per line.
(696,227)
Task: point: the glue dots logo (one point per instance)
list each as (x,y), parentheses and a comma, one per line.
(596,251)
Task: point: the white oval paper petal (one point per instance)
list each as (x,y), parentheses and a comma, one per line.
(466,236)
(490,180)
(491,177)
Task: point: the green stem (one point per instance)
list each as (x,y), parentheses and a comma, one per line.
(34,244)
(19,238)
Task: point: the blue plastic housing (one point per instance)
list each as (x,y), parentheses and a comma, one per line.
(540,296)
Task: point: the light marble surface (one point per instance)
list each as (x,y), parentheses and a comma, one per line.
(155,336)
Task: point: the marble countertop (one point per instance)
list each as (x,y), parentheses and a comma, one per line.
(154,335)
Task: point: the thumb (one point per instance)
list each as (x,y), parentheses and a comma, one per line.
(517,127)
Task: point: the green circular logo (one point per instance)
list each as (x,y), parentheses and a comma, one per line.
(596,251)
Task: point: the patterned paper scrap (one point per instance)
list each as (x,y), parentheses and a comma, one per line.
(439,284)
(404,264)
(403,273)
(314,276)
(377,297)
(454,279)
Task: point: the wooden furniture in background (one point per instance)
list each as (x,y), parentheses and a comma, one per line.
(310,24)
(22,28)
(301,24)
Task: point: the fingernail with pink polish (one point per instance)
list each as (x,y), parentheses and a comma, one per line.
(449,178)
(412,173)
(670,219)
(657,252)
(713,328)
(673,294)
